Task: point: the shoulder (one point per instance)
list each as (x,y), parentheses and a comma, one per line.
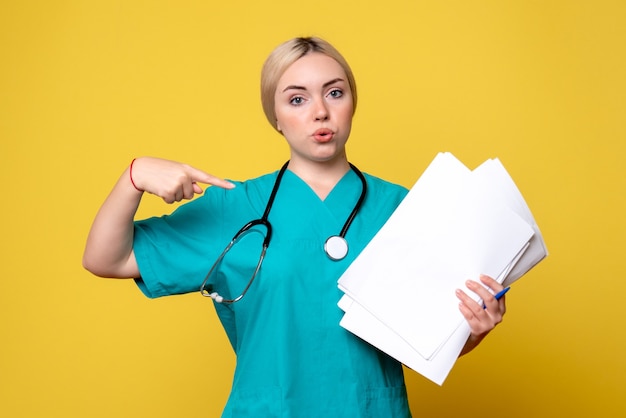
(380,187)
(250,194)
(261,181)
(243,187)
(383,197)
(247,195)
(249,190)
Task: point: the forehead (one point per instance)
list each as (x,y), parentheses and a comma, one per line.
(311,70)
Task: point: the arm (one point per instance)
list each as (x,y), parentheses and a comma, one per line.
(109,248)
(481,319)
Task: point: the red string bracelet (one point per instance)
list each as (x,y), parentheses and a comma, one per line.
(131,175)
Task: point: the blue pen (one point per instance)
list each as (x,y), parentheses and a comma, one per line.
(499,295)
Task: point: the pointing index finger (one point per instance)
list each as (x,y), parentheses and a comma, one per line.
(199,176)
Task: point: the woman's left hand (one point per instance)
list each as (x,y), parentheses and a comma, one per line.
(481,318)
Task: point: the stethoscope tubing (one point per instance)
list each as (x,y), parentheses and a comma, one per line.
(264,221)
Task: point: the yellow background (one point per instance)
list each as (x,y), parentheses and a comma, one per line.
(85,86)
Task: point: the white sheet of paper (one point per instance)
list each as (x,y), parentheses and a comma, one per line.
(361,323)
(493,174)
(366,326)
(439,237)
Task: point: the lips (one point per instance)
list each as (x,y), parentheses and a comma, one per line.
(323,135)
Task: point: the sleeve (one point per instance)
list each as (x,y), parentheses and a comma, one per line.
(174,252)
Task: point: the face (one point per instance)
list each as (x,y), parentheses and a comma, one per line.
(313,105)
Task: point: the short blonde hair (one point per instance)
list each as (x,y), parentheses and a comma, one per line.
(286,54)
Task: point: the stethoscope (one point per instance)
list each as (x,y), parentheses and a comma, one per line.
(336,246)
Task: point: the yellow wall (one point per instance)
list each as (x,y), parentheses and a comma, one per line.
(87,85)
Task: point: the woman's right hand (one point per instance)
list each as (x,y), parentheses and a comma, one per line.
(109,248)
(170,180)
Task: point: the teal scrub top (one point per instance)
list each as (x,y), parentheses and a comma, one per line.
(293,358)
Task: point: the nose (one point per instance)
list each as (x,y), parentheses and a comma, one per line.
(321,110)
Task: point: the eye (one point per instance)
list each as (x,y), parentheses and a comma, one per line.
(297,100)
(336,93)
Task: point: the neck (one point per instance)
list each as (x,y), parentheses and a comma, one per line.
(320,176)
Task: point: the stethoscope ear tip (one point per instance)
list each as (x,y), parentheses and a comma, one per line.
(217,298)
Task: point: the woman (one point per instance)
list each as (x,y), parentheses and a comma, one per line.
(293,359)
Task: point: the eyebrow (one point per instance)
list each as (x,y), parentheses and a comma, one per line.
(328,83)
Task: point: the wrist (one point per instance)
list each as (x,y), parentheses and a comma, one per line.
(130,175)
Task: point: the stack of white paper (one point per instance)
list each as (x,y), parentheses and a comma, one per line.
(454,225)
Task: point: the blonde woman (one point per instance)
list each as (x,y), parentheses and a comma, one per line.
(293,233)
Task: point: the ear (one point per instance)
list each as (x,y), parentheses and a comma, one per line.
(278,127)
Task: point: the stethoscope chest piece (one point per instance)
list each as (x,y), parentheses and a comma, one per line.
(336,247)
